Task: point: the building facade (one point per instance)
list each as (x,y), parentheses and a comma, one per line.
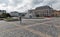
(56,13)
(14,14)
(17,14)
(41,11)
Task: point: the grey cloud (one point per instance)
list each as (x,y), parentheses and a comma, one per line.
(25,4)
(4,1)
(35,2)
(15,2)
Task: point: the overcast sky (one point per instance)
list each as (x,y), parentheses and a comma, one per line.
(24,5)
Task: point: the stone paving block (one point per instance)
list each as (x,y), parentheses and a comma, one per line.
(47,29)
(18,33)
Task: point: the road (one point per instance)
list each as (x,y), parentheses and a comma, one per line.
(49,27)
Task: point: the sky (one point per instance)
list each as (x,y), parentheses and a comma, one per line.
(24,5)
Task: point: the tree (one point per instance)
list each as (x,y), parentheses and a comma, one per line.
(8,15)
(5,15)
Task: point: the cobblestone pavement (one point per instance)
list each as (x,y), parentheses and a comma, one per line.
(31,28)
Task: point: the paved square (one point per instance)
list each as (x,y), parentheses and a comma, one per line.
(31,28)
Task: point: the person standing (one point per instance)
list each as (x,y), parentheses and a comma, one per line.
(20,18)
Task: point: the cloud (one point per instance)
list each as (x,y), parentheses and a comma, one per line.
(24,5)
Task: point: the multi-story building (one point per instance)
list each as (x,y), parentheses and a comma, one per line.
(17,14)
(41,11)
(56,13)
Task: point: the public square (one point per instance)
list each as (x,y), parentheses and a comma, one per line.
(48,27)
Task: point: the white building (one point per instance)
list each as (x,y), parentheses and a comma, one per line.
(14,14)
(17,14)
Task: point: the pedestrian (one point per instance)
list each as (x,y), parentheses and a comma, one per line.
(20,19)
